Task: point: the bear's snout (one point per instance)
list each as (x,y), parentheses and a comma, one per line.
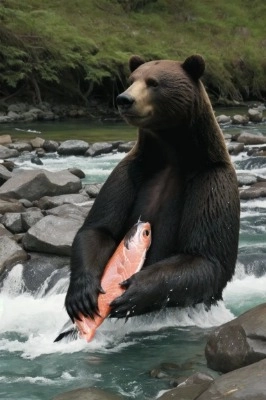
(124,101)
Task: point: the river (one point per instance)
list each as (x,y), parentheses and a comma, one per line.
(120,357)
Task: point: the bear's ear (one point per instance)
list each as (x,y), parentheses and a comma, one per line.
(135,62)
(194,66)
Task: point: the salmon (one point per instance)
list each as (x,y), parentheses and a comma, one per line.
(127,259)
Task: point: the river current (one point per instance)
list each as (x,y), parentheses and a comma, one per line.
(120,357)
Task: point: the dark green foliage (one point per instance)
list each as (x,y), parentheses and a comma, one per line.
(74,49)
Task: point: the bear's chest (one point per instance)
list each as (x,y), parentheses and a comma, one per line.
(160,202)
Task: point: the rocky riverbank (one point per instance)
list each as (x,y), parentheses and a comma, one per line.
(40,213)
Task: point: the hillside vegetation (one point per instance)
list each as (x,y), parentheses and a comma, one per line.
(78,50)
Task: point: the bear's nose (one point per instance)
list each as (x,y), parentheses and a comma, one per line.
(124,100)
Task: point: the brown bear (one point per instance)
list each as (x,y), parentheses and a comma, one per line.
(178,177)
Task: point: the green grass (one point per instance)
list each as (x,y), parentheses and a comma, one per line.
(71,43)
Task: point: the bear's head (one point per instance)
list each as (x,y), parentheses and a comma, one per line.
(161,92)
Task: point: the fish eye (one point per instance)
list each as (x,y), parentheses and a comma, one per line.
(146,233)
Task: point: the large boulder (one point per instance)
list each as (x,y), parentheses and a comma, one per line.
(48,202)
(10,252)
(98,148)
(246,383)
(87,394)
(12,221)
(35,184)
(4,174)
(10,205)
(52,235)
(250,138)
(73,147)
(7,153)
(5,139)
(239,342)
(20,146)
(254,191)
(255,115)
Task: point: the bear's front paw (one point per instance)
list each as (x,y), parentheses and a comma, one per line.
(82,298)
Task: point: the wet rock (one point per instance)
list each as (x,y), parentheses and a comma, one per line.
(250,138)
(246,383)
(77,172)
(11,206)
(40,152)
(4,231)
(4,174)
(73,147)
(14,116)
(43,268)
(37,142)
(255,115)
(35,160)
(240,120)
(20,146)
(10,253)
(246,179)
(69,211)
(30,218)
(5,139)
(235,148)
(185,392)
(126,147)
(223,119)
(93,189)
(7,153)
(254,263)
(8,164)
(87,394)
(253,192)
(47,202)
(52,235)
(96,149)
(18,108)
(239,342)
(38,183)
(26,203)
(12,221)
(50,146)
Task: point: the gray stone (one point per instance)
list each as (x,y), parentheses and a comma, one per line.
(246,383)
(185,392)
(245,179)
(69,211)
(17,108)
(239,342)
(47,202)
(30,218)
(250,138)
(254,191)
(255,115)
(52,235)
(50,146)
(20,146)
(14,115)
(5,139)
(4,174)
(29,116)
(87,394)
(223,119)
(37,142)
(93,189)
(240,120)
(35,160)
(35,184)
(7,153)
(11,206)
(10,253)
(5,119)
(4,231)
(98,148)
(43,268)
(126,147)
(235,148)
(12,221)
(73,147)
(77,172)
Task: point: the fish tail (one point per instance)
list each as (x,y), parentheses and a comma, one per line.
(69,335)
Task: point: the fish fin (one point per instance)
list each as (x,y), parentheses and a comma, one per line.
(68,336)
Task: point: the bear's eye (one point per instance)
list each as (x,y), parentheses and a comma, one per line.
(152,82)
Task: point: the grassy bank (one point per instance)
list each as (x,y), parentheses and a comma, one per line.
(76,50)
